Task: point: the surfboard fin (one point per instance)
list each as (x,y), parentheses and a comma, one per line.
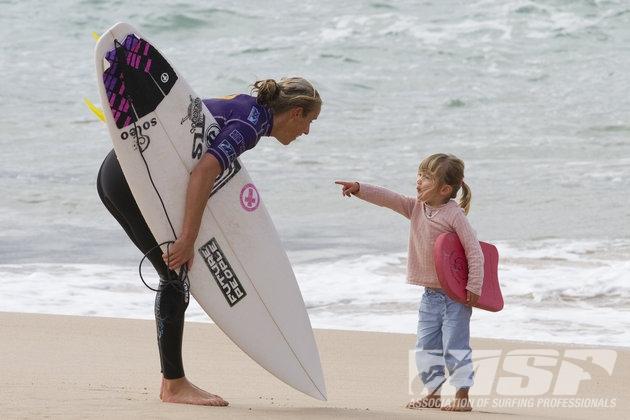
(96,110)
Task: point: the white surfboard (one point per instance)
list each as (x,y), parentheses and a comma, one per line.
(241,275)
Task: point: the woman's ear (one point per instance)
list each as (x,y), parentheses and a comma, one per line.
(297,112)
(446,190)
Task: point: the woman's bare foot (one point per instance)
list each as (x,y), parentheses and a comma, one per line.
(183,392)
(430,401)
(460,403)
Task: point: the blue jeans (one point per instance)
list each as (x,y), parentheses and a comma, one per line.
(443,340)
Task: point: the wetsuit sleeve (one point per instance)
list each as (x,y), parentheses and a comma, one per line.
(236,137)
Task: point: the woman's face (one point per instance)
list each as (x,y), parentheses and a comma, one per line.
(297,124)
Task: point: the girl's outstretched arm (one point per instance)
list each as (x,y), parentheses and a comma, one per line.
(379,196)
(348,188)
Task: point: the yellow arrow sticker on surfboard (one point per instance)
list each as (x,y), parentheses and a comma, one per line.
(96,110)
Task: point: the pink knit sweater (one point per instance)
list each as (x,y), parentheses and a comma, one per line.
(427,223)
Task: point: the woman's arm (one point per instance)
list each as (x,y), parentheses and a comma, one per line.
(199,186)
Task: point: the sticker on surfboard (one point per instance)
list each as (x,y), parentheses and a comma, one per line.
(130,79)
(250,199)
(222,272)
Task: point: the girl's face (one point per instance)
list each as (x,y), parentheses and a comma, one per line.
(430,192)
(424,185)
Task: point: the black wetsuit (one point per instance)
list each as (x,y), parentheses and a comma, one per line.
(242,122)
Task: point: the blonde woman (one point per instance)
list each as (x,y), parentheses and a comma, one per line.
(281,109)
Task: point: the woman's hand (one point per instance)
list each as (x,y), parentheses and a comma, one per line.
(348,188)
(471,298)
(179,253)
(199,187)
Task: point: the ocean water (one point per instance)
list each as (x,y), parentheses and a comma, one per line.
(532,95)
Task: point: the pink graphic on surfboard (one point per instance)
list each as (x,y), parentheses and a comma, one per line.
(250,199)
(452,271)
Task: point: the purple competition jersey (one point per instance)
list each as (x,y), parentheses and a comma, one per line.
(242,122)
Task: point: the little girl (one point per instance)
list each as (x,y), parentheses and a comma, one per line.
(443,324)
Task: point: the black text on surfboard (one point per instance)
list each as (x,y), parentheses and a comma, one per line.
(222,272)
(136,132)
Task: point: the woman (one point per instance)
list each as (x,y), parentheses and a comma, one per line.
(284,110)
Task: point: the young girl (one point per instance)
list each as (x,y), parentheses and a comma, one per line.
(443,325)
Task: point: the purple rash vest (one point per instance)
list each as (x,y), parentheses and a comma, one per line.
(242,122)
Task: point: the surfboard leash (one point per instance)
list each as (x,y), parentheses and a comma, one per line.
(181,283)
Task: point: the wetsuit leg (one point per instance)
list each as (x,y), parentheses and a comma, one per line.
(171,300)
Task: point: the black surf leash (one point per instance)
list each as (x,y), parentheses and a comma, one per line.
(181,282)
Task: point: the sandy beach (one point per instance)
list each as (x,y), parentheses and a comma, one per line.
(87,367)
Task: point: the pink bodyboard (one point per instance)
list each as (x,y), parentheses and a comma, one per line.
(452,271)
